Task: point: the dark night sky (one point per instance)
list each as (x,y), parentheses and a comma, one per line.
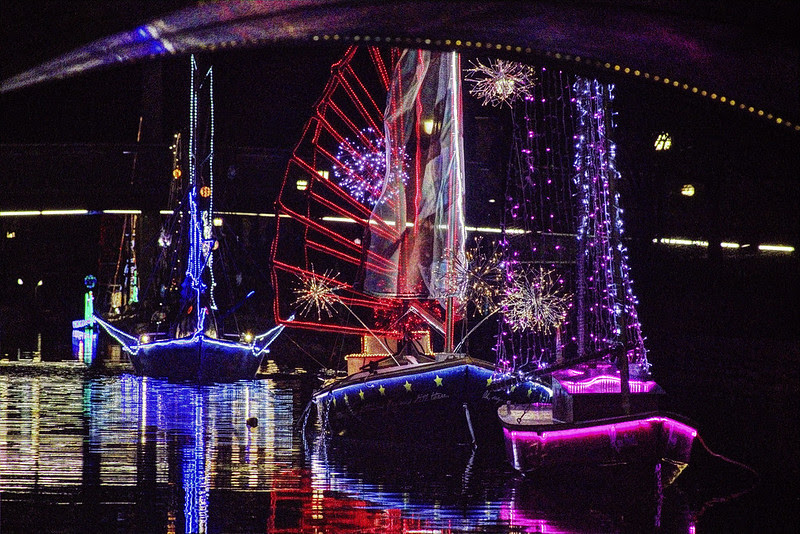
(105,106)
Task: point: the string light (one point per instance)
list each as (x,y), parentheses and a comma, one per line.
(362,168)
(563,195)
(606,299)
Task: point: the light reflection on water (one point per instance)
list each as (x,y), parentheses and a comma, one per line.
(80,453)
(134,437)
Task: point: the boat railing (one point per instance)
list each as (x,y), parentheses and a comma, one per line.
(150,337)
(447,356)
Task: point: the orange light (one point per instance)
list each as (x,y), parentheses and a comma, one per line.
(176,173)
(205,191)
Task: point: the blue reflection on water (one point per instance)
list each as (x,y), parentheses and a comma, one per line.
(133,440)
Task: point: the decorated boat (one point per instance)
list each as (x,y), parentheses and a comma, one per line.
(569,314)
(371,243)
(187,333)
(593,427)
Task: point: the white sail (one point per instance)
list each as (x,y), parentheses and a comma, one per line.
(422,207)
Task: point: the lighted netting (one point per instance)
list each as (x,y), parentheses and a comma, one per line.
(568,292)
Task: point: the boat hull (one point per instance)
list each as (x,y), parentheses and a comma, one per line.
(197,359)
(435,403)
(652,442)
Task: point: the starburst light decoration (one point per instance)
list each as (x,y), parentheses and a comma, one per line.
(535,301)
(480,276)
(362,169)
(317,293)
(500,81)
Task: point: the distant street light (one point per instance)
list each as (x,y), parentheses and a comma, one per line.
(663,142)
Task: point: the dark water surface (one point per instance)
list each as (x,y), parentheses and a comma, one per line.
(121,453)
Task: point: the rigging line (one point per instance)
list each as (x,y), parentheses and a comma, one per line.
(720,500)
(338,348)
(463,339)
(150,280)
(726,459)
(117,269)
(287,336)
(373,334)
(256,268)
(164,256)
(226,261)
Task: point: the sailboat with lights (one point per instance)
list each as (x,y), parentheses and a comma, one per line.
(370,243)
(569,312)
(190,336)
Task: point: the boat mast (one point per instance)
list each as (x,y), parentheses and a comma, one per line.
(596,180)
(616,255)
(201,239)
(453,240)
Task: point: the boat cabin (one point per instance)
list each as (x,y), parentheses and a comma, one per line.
(593,390)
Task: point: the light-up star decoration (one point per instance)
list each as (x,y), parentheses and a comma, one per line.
(361,170)
(500,82)
(317,293)
(535,301)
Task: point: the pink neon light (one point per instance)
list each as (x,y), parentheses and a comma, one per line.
(680,427)
(607,384)
(575,433)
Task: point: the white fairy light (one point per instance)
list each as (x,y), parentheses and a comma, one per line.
(317,293)
(534,301)
(480,276)
(500,81)
(361,170)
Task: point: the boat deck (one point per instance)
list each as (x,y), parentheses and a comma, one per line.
(527,414)
(391,371)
